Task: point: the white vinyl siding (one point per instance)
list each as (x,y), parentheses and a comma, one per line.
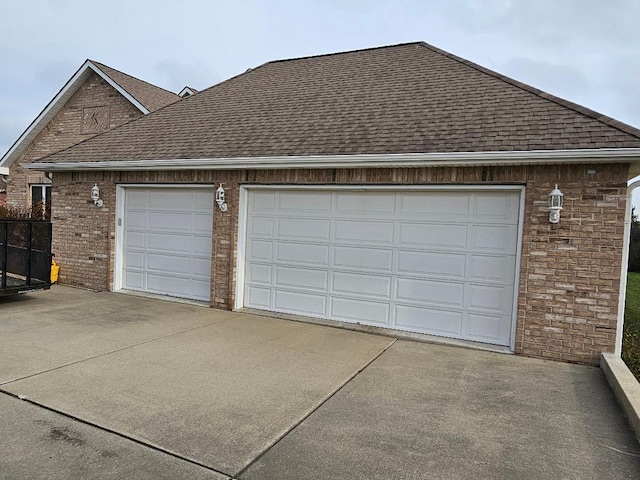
(436,262)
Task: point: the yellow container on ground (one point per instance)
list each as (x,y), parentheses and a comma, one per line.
(54,271)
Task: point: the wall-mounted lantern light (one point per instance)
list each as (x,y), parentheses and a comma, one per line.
(95,195)
(556,199)
(220,199)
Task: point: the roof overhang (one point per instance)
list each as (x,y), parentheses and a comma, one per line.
(56,104)
(4,170)
(408,160)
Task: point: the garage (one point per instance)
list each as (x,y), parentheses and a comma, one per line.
(441,261)
(164,237)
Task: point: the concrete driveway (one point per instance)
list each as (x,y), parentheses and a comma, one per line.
(100,385)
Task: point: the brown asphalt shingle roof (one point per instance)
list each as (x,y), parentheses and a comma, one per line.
(149,95)
(406,98)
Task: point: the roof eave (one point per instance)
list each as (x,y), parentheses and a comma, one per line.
(408,160)
(56,104)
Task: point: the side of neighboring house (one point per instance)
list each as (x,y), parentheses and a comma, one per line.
(96,99)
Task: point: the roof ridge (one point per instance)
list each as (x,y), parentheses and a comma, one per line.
(357,50)
(99,64)
(600,117)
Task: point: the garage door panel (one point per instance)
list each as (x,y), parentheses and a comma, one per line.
(201,223)
(136,219)
(258,297)
(170,264)
(494,238)
(426,291)
(257,273)
(137,198)
(445,322)
(136,240)
(364,232)
(171,199)
(304,202)
(168,241)
(360,284)
(201,246)
(363,258)
(437,262)
(348,203)
(260,250)
(487,328)
(353,310)
(304,228)
(134,259)
(135,280)
(486,297)
(450,265)
(302,253)
(262,201)
(438,206)
(433,235)
(491,268)
(169,222)
(297,302)
(495,208)
(203,200)
(301,278)
(262,227)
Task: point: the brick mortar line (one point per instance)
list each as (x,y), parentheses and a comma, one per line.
(115,432)
(312,411)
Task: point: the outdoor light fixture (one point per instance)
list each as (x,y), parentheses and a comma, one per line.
(556,199)
(220,199)
(95,195)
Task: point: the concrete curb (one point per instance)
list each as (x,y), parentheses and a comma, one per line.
(625,387)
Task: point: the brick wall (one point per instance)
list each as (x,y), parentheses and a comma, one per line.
(570,272)
(67,128)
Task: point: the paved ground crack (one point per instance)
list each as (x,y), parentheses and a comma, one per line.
(313,410)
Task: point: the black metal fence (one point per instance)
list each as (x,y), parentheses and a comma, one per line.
(25,255)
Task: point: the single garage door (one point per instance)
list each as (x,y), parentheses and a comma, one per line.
(437,262)
(167,241)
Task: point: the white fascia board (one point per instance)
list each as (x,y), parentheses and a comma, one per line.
(117,86)
(462,159)
(4,170)
(54,106)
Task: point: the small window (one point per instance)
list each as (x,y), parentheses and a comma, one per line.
(40,194)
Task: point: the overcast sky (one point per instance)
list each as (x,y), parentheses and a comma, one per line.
(587,51)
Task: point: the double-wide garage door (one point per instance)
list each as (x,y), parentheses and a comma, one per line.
(437,262)
(167,241)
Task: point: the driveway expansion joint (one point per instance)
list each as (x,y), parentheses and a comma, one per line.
(313,410)
(115,432)
(7,382)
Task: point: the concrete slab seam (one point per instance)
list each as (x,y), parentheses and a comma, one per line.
(313,410)
(113,351)
(115,432)
(625,388)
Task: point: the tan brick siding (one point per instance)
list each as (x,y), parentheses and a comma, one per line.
(569,275)
(64,130)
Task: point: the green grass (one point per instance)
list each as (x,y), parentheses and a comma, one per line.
(631,338)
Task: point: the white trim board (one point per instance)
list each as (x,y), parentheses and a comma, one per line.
(395,160)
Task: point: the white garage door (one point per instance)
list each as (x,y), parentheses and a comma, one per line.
(167,241)
(437,262)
